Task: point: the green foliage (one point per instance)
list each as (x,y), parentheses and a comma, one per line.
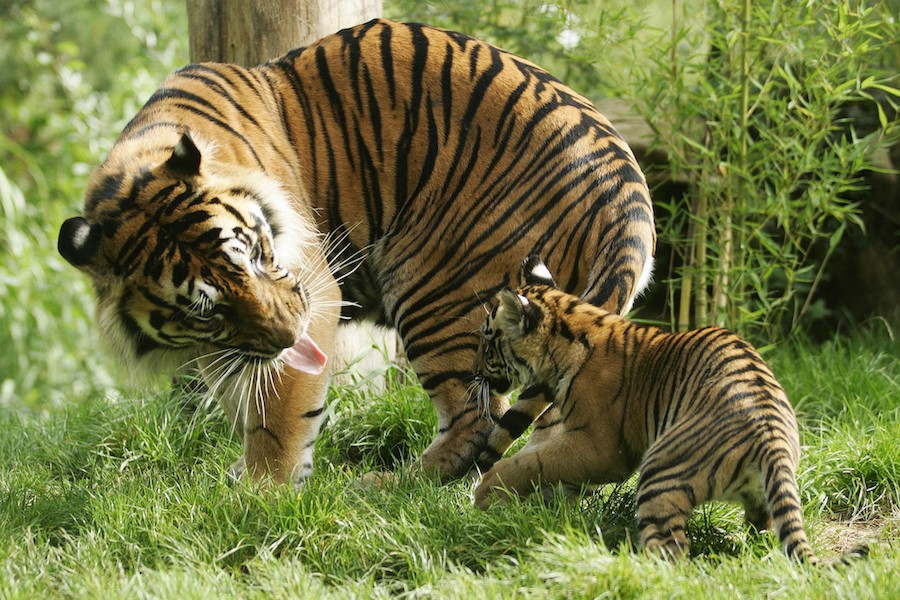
(388,434)
(768,118)
(130,498)
(73,73)
(753,112)
(546,33)
(846,393)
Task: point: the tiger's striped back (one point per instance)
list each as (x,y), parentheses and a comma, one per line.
(700,414)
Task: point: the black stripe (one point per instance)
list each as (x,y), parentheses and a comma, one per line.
(515,422)
(387,63)
(334,101)
(312,414)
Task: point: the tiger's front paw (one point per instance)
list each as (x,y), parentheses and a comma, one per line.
(239,475)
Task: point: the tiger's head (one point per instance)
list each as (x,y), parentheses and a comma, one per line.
(513,351)
(191,258)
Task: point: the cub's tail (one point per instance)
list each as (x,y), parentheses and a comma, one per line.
(787,514)
(787,517)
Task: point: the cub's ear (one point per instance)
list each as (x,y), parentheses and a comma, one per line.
(518,316)
(185,159)
(78,241)
(535,272)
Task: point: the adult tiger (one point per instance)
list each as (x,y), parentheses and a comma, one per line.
(699,412)
(413,165)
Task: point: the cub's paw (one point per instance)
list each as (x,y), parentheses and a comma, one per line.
(487,458)
(671,547)
(491,489)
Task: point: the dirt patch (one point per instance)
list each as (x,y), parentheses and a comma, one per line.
(841,536)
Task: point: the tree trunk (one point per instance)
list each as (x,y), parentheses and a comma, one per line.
(250,32)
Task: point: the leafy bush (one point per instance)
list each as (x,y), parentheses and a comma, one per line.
(73,73)
(753,112)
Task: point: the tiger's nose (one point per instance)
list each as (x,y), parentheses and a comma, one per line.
(281,338)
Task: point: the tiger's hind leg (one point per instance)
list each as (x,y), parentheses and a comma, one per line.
(463,429)
(442,357)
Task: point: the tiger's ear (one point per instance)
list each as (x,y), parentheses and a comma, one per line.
(185,159)
(78,241)
(518,316)
(535,272)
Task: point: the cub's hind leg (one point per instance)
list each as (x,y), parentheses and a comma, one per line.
(668,489)
(662,517)
(756,512)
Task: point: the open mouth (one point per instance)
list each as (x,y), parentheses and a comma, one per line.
(305,356)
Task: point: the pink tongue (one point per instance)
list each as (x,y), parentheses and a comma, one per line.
(305,356)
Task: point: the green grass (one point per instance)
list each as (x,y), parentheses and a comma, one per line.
(129,498)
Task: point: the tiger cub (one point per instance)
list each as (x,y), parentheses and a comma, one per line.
(699,413)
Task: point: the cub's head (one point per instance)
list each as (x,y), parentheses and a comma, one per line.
(513,350)
(190,259)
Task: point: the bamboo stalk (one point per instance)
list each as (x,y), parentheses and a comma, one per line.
(739,208)
(687,279)
(684,302)
(701,312)
(722,292)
